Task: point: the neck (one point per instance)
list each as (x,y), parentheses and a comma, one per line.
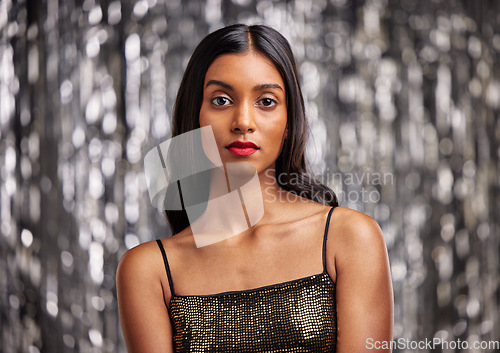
(238,199)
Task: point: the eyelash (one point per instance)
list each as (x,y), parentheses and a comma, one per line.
(272,102)
(214,100)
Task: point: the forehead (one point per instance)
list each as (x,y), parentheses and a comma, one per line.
(250,67)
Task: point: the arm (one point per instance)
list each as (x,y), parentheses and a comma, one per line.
(141,300)
(364,288)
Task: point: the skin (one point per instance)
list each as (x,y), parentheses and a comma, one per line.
(244,99)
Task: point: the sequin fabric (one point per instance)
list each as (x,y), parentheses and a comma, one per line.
(295,316)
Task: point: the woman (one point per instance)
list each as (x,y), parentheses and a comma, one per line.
(307,277)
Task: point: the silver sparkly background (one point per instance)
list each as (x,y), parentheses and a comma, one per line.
(403,99)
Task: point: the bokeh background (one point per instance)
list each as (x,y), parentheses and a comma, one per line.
(403,99)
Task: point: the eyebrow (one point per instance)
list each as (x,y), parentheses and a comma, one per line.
(255,88)
(219,83)
(267,86)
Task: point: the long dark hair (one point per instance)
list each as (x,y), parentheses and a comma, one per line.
(240,38)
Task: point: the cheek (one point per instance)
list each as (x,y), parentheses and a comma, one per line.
(206,120)
(275,134)
(211,118)
(279,127)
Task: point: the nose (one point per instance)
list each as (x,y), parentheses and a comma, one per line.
(243,119)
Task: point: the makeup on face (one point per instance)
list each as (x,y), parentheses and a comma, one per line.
(242,148)
(244,102)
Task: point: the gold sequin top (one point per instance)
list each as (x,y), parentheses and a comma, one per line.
(294,316)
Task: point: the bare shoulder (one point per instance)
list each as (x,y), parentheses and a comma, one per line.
(139,254)
(352,228)
(146,258)
(142,292)
(357,255)
(142,260)
(355,241)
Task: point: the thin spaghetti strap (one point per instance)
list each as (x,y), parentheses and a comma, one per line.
(167,268)
(325,236)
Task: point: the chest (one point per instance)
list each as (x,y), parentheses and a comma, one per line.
(257,260)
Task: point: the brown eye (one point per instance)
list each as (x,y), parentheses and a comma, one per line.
(268,102)
(220,101)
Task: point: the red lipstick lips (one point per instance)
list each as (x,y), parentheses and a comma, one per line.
(242,148)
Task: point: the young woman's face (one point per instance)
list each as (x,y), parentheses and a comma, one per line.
(244,100)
